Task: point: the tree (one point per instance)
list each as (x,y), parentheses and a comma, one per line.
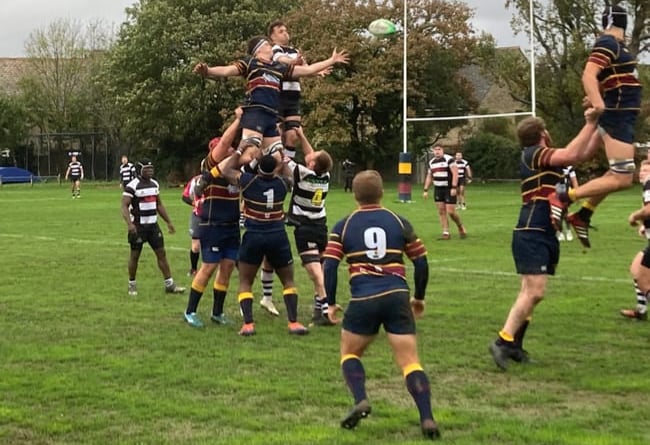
(166,107)
(13,122)
(359,107)
(564,32)
(57,89)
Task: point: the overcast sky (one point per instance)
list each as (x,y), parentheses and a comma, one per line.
(18,18)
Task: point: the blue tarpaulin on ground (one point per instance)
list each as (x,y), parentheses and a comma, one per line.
(15,174)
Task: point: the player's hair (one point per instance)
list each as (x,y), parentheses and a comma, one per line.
(254,44)
(274,24)
(530,130)
(323,162)
(368,187)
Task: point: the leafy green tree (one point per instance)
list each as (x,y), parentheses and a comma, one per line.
(359,107)
(564,33)
(165,107)
(56,89)
(493,150)
(13,122)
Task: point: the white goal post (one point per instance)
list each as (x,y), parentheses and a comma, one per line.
(406,120)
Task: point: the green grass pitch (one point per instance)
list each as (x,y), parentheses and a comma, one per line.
(81,362)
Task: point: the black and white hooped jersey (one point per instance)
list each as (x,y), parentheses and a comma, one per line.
(441,170)
(288,85)
(462,167)
(144,201)
(127,172)
(309,194)
(75,168)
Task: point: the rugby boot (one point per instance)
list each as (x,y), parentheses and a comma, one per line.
(634,314)
(581,228)
(359,411)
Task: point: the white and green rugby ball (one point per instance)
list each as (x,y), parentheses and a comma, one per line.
(382,27)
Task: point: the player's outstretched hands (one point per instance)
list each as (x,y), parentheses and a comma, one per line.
(340,57)
(170,228)
(201,69)
(632,219)
(417,306)
(332,309)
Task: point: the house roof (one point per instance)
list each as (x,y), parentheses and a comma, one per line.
(480,81)
(11,71)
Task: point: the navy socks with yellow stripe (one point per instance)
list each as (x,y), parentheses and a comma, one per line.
(418,386)
(355,376)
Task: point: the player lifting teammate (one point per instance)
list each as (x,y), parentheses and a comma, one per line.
(612,88)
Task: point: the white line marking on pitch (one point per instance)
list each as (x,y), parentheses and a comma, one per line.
(432,264)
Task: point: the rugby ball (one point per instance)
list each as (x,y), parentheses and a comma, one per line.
(382,27)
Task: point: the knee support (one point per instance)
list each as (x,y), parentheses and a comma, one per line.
(290,125)
(252,141)
(276,146)
(309,258)
(622,166)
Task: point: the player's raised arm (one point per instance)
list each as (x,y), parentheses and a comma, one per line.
(315,68)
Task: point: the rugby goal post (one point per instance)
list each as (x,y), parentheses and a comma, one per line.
(405,163)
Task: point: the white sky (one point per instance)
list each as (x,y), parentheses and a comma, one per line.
(18,18)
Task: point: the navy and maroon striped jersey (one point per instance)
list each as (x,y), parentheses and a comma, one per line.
(618,77)
(263,81)
(219,203)
(263,198)
(538,181)
(374,240)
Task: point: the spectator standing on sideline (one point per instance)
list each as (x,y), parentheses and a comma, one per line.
(464,177)
(127,172)
(640,267)
(75,172)
(348,173)
(374,241)
(141,205)
(189,197)
(613,89)
(535,247)
(443,174)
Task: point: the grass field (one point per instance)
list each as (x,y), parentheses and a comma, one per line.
(83,363)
